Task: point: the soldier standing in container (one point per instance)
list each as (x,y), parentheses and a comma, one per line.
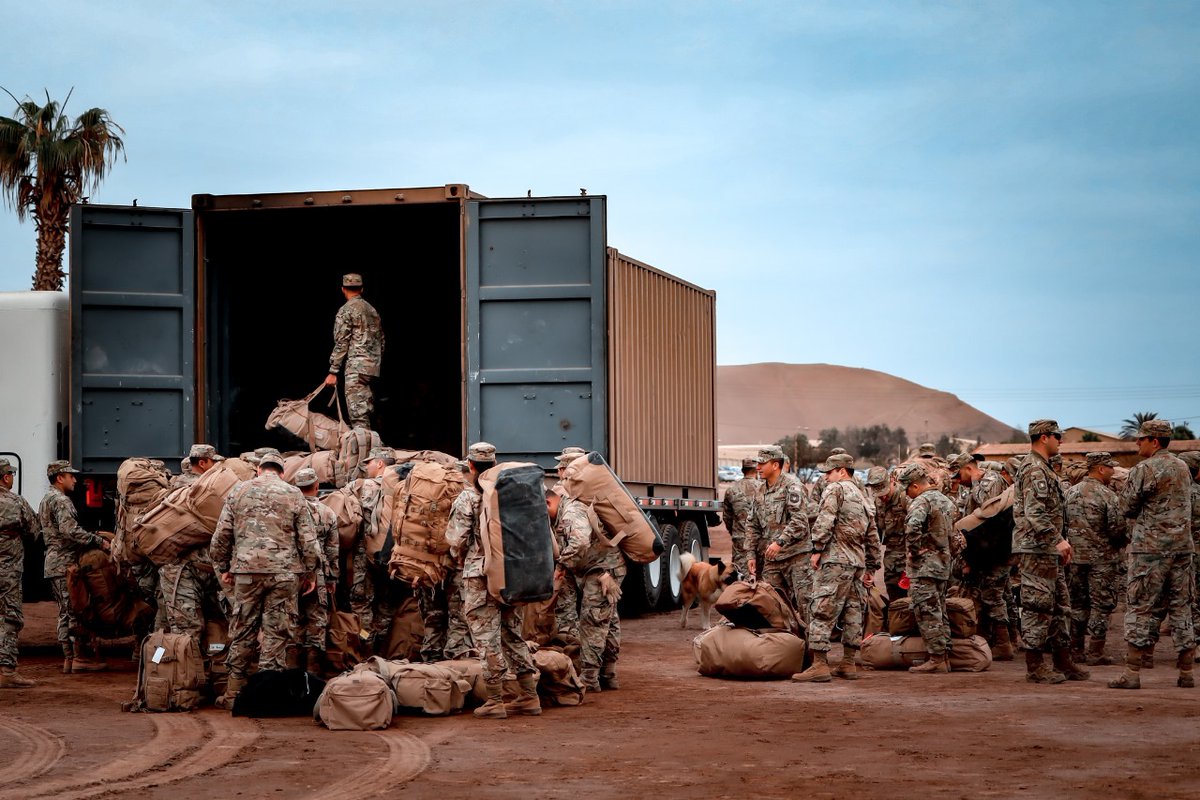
(777,532)
(357,351)
(16,520)
(735,513)
(1096,529)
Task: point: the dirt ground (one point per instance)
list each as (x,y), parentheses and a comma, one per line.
(668,732)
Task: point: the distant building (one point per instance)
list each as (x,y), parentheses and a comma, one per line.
(1076,434)
(1124,452)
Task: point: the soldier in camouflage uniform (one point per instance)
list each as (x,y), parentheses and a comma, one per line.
(357,351)
(598,568)
(200,459)
(1096,530)
(929,538)
(983,485)
(777,532)
(1043,552)
(735,512)
(314,607)
(16,520)
(495,627)
(370,596)
(65,543)
(1192,459)
(265,548)
(191,594)
(845,555)
(1157,497)
(891,507)
(566,587)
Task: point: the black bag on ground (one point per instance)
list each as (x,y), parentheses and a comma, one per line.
(275,693)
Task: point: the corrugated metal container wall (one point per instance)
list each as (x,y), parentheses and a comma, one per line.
(662,372)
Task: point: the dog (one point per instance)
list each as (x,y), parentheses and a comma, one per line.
(704,583)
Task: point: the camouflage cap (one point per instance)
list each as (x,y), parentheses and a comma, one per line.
(749,463)
(305,477)
(1040,427)
(352,280)
(203,451)
(1191,458)
(569,454)
(837,461)
(837,451)
(481,452)
(6,467)
(1101,459)
(876,476)
(185,464)
(927,449)
(1013,464)
(59,468)
(1156,429)
(957,461)
(383,453)
(271,457)
(250,458)
(911,473)
(262,451)
(772,453)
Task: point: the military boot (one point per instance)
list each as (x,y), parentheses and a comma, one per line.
(1064,662)
(934,664)
(1078,632)
(1002,650)
(1148,657)
(1036,670)
(1186,659)
(818,672)
(83,664)
(11,679)
(233,685)
(608,678)
(494,707)
(848,669)
(527,702)
(68,656)
(590,679)
(1131,678)
(1095,653)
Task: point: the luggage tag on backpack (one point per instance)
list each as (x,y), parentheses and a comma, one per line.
(159,652)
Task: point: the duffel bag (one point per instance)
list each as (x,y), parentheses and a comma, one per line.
(316,430)
(757,605)
(471,671)
(359,700)
(962,616)
(278,693)
(725,651)
(558,682)
(590,480)
(430,689)
(901,620)
(883,651)
(187,517)
(345,503)
(518,545)
(877,611)
(322,462)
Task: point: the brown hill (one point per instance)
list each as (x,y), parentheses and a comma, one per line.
(765,402)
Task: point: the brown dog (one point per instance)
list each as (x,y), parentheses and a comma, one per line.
(702,582)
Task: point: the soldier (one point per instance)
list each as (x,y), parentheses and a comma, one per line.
(566,588)
(845,555)
(65,543)
(1096,530)
(495,627)
(1192,459)
(891,507)
(1157,497)
(564,458)
(370,590)
(598,568)
(983,485)
(266,550)
(16,520)
(735,513)
(200,459)
(191,593)
(357,351)
(929,538)
(446,634)
(1043,553)
(314,607)
(777,532)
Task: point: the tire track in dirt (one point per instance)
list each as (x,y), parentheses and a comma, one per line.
(407,757)
(39,750)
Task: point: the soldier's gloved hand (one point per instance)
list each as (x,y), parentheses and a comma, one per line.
(1065,551)
(331,379)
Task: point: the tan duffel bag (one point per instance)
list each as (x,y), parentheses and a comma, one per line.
(323,462)
(877,611)
(471,671)
(901,620)
(187,517)
(962,616)
(882,651)
(345,503)
(590,480)
(728,652)
(558,682)
(360,700)
(757,605)
(316,430)
(519,549)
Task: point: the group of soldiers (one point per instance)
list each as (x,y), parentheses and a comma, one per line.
(1075,543)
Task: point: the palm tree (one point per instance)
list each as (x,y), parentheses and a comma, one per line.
(1129,427)
(48,162)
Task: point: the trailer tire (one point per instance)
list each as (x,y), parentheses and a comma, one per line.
(692,540)
(671,583)
(642,587)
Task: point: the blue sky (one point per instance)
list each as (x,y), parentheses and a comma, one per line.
(999,200)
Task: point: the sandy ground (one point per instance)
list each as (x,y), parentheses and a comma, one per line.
(668,732)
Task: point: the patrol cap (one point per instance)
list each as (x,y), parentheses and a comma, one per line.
(1155,429)
(481,452)
(6,468)
(957,461)
(59,468)
(837,461)
(203,451)
(568,454)
(926,450)
(1101,459)
(1013,464)
(772,453)
(381,453)
(876,476)
(837,451)
(262,451)
(1189,457)
(305,477)
(250,458)
(352,280)
(271,457)
(1040,427)
(749,463)
(911,473)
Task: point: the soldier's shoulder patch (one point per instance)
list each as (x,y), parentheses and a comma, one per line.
(1041,487)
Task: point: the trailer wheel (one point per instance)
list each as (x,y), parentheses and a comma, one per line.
(642,588)
(672,585)
(693,540)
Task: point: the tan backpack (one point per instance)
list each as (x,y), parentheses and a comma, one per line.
(359,700)
(590,479)
(322,462)
(352,451)
(170,674)
(406,632)
(346,645)
(102,601)
(518,544)
(415,516)
(901,620)
(316,430)
(142,483)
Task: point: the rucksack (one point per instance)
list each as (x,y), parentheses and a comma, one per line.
(102,601)
(591,480)
(518,545)
(170,674)
(359,700)
(316,430)
(406,632)
(415,517)
(757,605)
(988,530)
(353,448)
(141,484)
(427,688)
(278,693)
(322,462)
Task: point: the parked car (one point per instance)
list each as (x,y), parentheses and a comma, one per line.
(728,473)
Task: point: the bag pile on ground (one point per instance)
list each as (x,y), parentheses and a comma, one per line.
(885,651)
(414,509)
(590,480)
(961,615)
(761,641)
(358,700)
(142,483)
(316,430)
(517,541)
(431,689)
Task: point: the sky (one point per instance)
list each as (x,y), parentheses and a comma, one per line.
(998,200)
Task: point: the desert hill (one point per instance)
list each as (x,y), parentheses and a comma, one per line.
(765,402)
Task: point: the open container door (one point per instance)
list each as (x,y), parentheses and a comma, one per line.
(536,326)
(132,336)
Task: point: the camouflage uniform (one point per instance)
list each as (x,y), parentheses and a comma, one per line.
(358,347)
(1196,558)
(928,532)
(191,594)
(735,512)
(844,535)
(778,516)
(314,607)
(446,633)
(65,543)
(495,627)
(1094,520)
(1157,497)
(890,513)
(993,583)
(593,562)
(369,590)
(1040,520)
(265,539)
(353,448)
(16,520)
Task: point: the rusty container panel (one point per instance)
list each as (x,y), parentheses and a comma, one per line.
(662,373)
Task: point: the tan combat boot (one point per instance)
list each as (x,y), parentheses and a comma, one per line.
(11,679)
(818,672)
(527,702)
(1131,678)
(1002,650)
(848,669)
(233,685)
(1036,670)
(1095,653)
(1186,659)
(590,679)
(608,678)
(68,657)
(934,664)
(84,664)
(1065,663)
(494,707)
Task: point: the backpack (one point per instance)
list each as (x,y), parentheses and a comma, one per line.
(591,480)
(757,605)
(988,530)
(518,545)
(141,484)
(346,646)
(353,448)
(170,674)
(359,700)
(316,430)
(415,517)
(427,688)
(278,693)
(406,632)
(101,600)
(724,651)
(901,620)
